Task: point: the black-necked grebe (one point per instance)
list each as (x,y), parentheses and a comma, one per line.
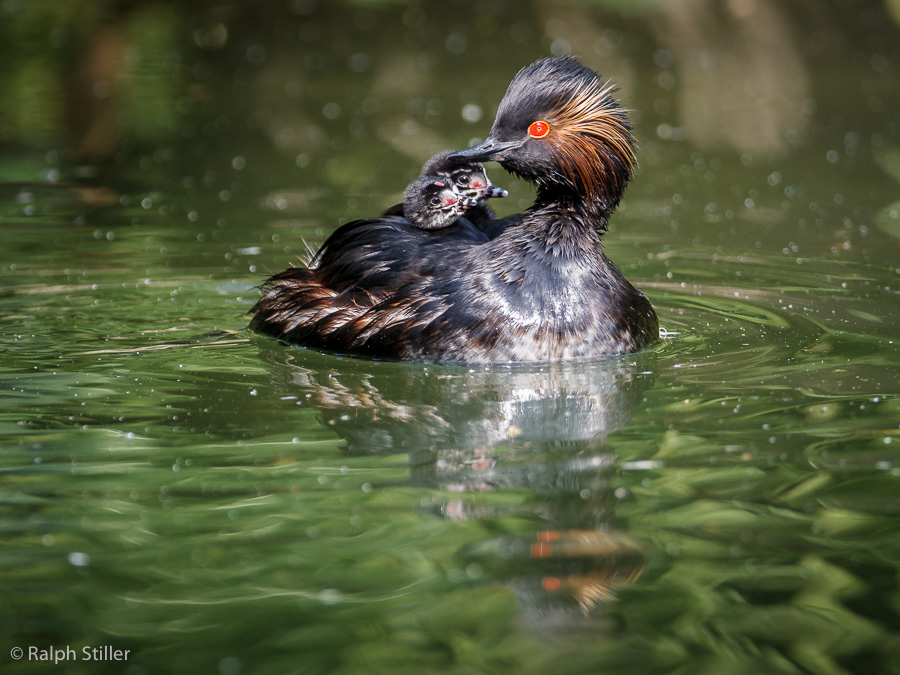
(541,289)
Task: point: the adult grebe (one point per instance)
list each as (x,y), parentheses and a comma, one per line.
(540,290)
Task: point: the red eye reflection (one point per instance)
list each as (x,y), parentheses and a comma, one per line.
(538,129)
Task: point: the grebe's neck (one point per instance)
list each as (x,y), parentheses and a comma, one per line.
(592,210)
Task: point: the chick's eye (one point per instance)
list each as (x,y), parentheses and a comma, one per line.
(538,129)
(435,201)
(462,179)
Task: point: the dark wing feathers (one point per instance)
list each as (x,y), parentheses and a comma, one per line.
(364,291)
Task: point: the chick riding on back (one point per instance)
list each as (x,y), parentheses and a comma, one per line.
(470,179)
(432,203)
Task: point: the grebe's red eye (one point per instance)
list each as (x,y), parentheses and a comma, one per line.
(538,129)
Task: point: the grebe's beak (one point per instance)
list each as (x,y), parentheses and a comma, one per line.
(489,150)
(494,191)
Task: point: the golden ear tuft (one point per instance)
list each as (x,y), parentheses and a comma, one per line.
(593,141)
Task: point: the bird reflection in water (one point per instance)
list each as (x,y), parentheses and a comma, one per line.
(533,433)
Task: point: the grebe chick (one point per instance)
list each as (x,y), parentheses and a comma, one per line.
(432,203)
(470,179)
(540,290)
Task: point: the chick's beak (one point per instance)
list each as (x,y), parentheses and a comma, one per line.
(489,150)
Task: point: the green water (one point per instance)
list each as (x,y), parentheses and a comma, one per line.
(213,501)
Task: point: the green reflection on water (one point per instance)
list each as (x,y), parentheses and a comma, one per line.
(211,500)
